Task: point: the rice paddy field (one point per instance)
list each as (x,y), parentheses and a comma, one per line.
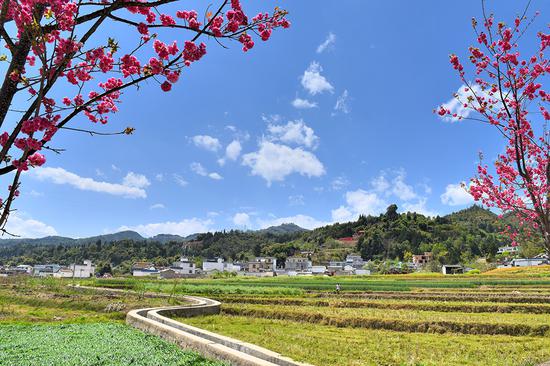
(498,318)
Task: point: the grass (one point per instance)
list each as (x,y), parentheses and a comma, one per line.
(330,346)
(26,301)
(536,271)
(89,344)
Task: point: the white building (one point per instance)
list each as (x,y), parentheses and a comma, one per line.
(144,272)
(219,265)
(45,270)
(85,270)
(528,262)
(362,272)
(298,264)
(143,269)
(25,267)
(355,261)
(318,269)
(509,249)
(184,266)
(63,273)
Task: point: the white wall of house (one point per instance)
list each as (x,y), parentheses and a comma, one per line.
(85,270)
(184,266)
(528,262)
(218,265)
(145,272)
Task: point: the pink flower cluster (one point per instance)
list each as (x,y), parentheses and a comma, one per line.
(94,77)
(500,95)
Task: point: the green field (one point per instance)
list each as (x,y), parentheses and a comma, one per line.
(502,318)
(46,322)
(89,344)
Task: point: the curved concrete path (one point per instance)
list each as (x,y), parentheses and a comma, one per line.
(158,321)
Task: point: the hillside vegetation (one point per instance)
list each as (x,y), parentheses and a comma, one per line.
(462,236)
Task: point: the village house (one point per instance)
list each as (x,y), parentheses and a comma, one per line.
(298,264)
(85,270)
(184,267)
(45,270)
(63,272)
(219,265)
(420,260)
(143,269)
(317,270)
(355,261)
(262,264)
(449,269)
(169,273)
(14,271)
(336,265)
(528,262)
(508,249)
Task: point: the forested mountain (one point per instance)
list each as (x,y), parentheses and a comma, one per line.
(61,240)
(289,228)
(458,237)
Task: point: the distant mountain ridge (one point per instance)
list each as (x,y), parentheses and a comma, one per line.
(132,235)
(287,228)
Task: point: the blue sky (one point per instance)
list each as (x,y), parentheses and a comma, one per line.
(329,119)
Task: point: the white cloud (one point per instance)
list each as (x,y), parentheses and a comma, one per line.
(62,176)
(294,132)
(427,189)
(274,162)
(464,95)
(380,184)
(300,103)
(296,200)
(180,180)
(215,176)
(456,195)
(402,190)
(304,221)
(241,219)
(28,228)
(313,81)
(383,192)
(339,183)
(328,42)
(156,206)
(115,168)
(200,170)
(99,172)
(207,142)
(367,203)
(184,227)
(159,177)
(233,150)
(397,186)
(136,180)
(419,207)
(342,103)
(342,214)
(359,202)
